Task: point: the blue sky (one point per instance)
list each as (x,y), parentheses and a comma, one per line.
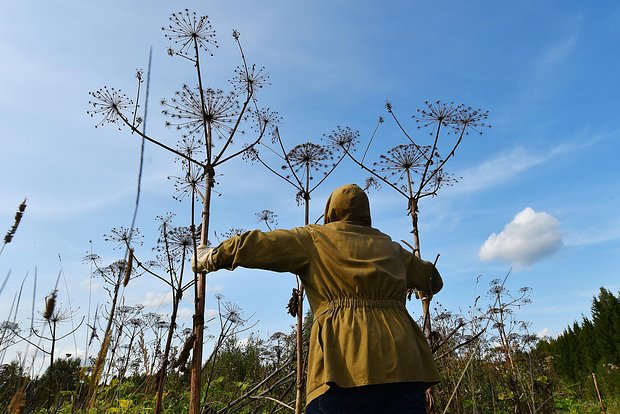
(539,191)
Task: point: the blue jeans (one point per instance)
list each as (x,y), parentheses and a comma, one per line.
(397,398)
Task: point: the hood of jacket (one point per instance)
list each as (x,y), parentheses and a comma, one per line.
(348,203)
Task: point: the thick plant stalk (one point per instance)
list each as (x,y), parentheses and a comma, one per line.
(424,295)
(300,315)
(199,307)
(201,282)
(51,368)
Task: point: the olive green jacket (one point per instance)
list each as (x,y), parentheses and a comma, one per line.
(356,280)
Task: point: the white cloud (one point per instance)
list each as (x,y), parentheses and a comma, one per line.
(559,51)
(185,313)
(497,170)
(506,166)
(68,350)
(543,333)
(600,232)
(90,283)
(528,238)
(156,299)
(214,288)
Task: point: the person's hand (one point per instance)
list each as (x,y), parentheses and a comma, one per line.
(204,261)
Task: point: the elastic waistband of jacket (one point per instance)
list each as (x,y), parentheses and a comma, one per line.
(358,303)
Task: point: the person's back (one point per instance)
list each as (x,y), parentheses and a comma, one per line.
(356,280)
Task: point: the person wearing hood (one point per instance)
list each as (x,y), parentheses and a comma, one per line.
(367,355)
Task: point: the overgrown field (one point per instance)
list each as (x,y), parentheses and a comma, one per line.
(481,373)
(137,361)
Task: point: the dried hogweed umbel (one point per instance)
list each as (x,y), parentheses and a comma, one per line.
(110,104)
(188,30)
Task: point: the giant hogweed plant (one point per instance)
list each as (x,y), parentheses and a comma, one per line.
(415,170)
(211,118)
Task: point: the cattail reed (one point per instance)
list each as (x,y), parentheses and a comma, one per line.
(293,303)
(184,355)
(128,268)
(50,304)
(18,218)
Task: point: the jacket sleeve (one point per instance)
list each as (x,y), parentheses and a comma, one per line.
(278,250)
(421,275)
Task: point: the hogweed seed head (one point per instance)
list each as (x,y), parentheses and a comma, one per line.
(267,216)
(250,79)
(403,159)
(188,30)
(441,178)
(342,138)
(265,119)
(309,155)
(468,118)
(372,183)
(250,153)
(436,113)
(110,105)
(193,179)
(180,238)
(124,237)
(176,241)
(235,231)
(460,118)
(233,314)
(91,258)
(187,112)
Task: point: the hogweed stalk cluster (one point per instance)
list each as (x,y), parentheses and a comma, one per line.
(208,120)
